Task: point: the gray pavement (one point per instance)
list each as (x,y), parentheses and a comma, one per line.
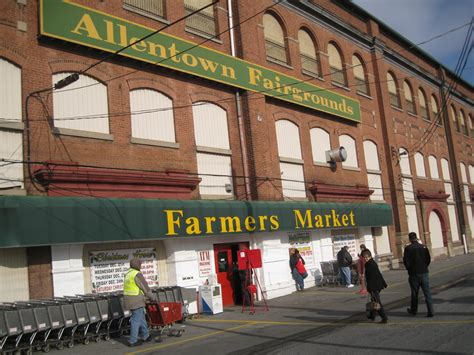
(331,320)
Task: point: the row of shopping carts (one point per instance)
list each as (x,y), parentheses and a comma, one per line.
(61,322)
(46,323)
(331,274)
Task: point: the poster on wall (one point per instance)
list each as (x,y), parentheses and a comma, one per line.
(108,268)
(341,240)
(302,242)
(204,258)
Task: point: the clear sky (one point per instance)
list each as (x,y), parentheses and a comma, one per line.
(420,20)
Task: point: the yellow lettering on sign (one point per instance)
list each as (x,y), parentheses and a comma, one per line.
(275,224)
(192,226)
(305,221)
(173,221)
(351,214)
(250,223)
(87,25)
(230,224)
(209,221)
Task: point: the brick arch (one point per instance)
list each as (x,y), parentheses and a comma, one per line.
(280,115)
(13,56)
(281,20)
(152,84)
(317,43)
(212,99)
(68,65)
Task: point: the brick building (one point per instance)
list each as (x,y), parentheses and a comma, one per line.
(209,136)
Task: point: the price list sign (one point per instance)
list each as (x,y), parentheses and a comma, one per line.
(109,267)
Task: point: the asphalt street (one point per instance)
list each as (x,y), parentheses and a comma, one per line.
(331,320)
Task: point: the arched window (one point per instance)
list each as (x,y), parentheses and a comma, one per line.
(409,97)
(152,116)
(349,144)
(213,149)
(374,175)
(462,123)
(76,109)
(404,161)
(435,108)
(291,164)
(452,113)
(445,169)
(422,101)
(338,75)
(360,75)
(275,45)
(320,143)
(420,165)
(392,90)
(11,141)
(308,53)
(433,163)
(471,174)
(463,172)
(204,21)
(471,125)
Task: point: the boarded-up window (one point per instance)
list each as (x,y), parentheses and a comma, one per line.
(10,92)
(320,143)
(462,123)
(274,39)
(216,172)
(404,161)
(81,105)
(203,21)
(338,75)
(433,163)
(445,169)
(422,102)
(359,75)
(409,97)
(288,139)
(349,144)
(462,166)
(14,275)
(152,115)
(292,183)
(420,165)
(452,113)
(374,175)
(412,219)
(308,53)
(392,90)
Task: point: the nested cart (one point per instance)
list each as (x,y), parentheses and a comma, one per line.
(162,316)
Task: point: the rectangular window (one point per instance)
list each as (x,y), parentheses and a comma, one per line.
(375,183)
(292,180)
(146,7)
(424,113)
(309,65)
(361,86)
(410,106)
(394,100)
(216,172)
(11,148)
(202,21)
(337,76)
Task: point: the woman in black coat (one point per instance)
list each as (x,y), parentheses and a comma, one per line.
(375,283)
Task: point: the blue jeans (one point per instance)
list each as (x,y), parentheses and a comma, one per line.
(298,279)
(346,275)
(138,325)
(417,281)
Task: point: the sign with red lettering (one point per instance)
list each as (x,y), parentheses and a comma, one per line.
(204,259)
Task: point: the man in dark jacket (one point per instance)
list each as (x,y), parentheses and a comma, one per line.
(416,258)
(344,261)
(135,289)
(375,283)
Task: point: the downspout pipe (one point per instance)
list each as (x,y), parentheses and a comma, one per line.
(238,103)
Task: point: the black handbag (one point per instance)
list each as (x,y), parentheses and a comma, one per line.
(371,306)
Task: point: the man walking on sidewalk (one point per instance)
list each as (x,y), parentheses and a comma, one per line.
(416,258)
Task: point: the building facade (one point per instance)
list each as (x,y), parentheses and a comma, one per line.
(214,134)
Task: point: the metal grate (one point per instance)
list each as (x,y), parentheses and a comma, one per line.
(275,51)
(202,21)
(152,7)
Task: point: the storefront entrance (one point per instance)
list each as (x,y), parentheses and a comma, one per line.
(227,271)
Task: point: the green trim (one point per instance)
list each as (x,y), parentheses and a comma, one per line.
(34,221)
(64,20)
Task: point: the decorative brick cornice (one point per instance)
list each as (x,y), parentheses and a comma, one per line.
(432,196)
(70,179)
(327,192)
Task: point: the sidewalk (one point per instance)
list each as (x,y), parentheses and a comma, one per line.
(297,317)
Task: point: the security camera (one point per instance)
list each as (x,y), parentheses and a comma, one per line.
(228,188)
(335,155)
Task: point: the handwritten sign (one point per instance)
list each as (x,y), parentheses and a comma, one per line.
(302,242)
(109,267)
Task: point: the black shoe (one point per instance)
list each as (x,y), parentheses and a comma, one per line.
(147,340)
(383,321)
(430,315)
(410,312)
(137,343)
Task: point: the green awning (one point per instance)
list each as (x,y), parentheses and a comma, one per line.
(34,221)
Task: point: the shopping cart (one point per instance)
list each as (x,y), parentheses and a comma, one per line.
(162,316)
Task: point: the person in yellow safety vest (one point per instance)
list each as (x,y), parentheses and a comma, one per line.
(135,291)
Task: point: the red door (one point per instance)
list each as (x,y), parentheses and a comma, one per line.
(224,271)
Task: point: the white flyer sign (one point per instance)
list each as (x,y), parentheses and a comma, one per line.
(108,268)
(204,259)
(302,242)
(343,240)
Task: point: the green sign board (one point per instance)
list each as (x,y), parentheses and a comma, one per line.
(79,24)
(29,220)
